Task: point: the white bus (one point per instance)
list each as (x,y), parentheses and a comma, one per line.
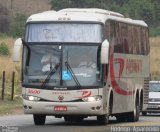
(84,62)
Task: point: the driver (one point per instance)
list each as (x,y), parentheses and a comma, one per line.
(49,62)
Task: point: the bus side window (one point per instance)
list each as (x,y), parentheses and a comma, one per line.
(107,30)
(125,38)
(121,37)
(142,42)
(111,31)
(130,39)
(135,40)
(139,40)
(112,39)
(147,41)
(118,47)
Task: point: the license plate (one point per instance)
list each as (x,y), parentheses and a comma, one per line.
(60,108)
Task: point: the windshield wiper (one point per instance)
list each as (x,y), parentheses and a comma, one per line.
(73,75)
(52,72)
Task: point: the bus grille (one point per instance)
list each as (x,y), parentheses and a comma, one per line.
(146,90)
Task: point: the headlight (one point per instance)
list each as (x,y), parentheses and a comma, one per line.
(30,98)
(93,98)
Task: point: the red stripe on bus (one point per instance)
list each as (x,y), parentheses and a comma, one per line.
(115,85)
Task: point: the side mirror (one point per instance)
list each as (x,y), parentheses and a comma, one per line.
(105,52)
(17,50)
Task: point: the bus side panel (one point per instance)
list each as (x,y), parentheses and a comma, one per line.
(127,74)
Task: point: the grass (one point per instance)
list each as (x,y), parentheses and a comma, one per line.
(6,63)
(155,58)
(11,107)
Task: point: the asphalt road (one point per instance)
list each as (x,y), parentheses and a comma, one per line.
(24,123)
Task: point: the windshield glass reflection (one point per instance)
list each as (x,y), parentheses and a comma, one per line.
(82,69)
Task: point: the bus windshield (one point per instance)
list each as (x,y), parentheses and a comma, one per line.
(40,60)
(64,32)
(154,87)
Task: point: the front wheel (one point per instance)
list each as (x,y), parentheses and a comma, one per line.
(39,119)
(103,119)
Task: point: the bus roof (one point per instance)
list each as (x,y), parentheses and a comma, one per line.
(83,15)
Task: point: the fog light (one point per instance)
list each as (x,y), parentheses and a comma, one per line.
(93,108)
(98,107)
(30,107)
(25,106)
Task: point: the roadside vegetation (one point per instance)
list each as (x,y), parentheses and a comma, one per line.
(155,58)
(11,107)
(7,65)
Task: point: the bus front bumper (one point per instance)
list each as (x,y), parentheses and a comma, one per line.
(64,108)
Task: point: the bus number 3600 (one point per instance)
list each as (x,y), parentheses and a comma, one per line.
(31,91)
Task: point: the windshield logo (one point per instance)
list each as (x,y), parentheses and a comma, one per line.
(85,94)
(60,98)
(66,75)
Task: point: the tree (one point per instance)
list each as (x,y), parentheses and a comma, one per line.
(4,23)
(147,10)
(4,19)
(18,25)
(57,4)
(3,10)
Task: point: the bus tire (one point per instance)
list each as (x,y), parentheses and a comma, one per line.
(103,119)
(134,116)
(39,119)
